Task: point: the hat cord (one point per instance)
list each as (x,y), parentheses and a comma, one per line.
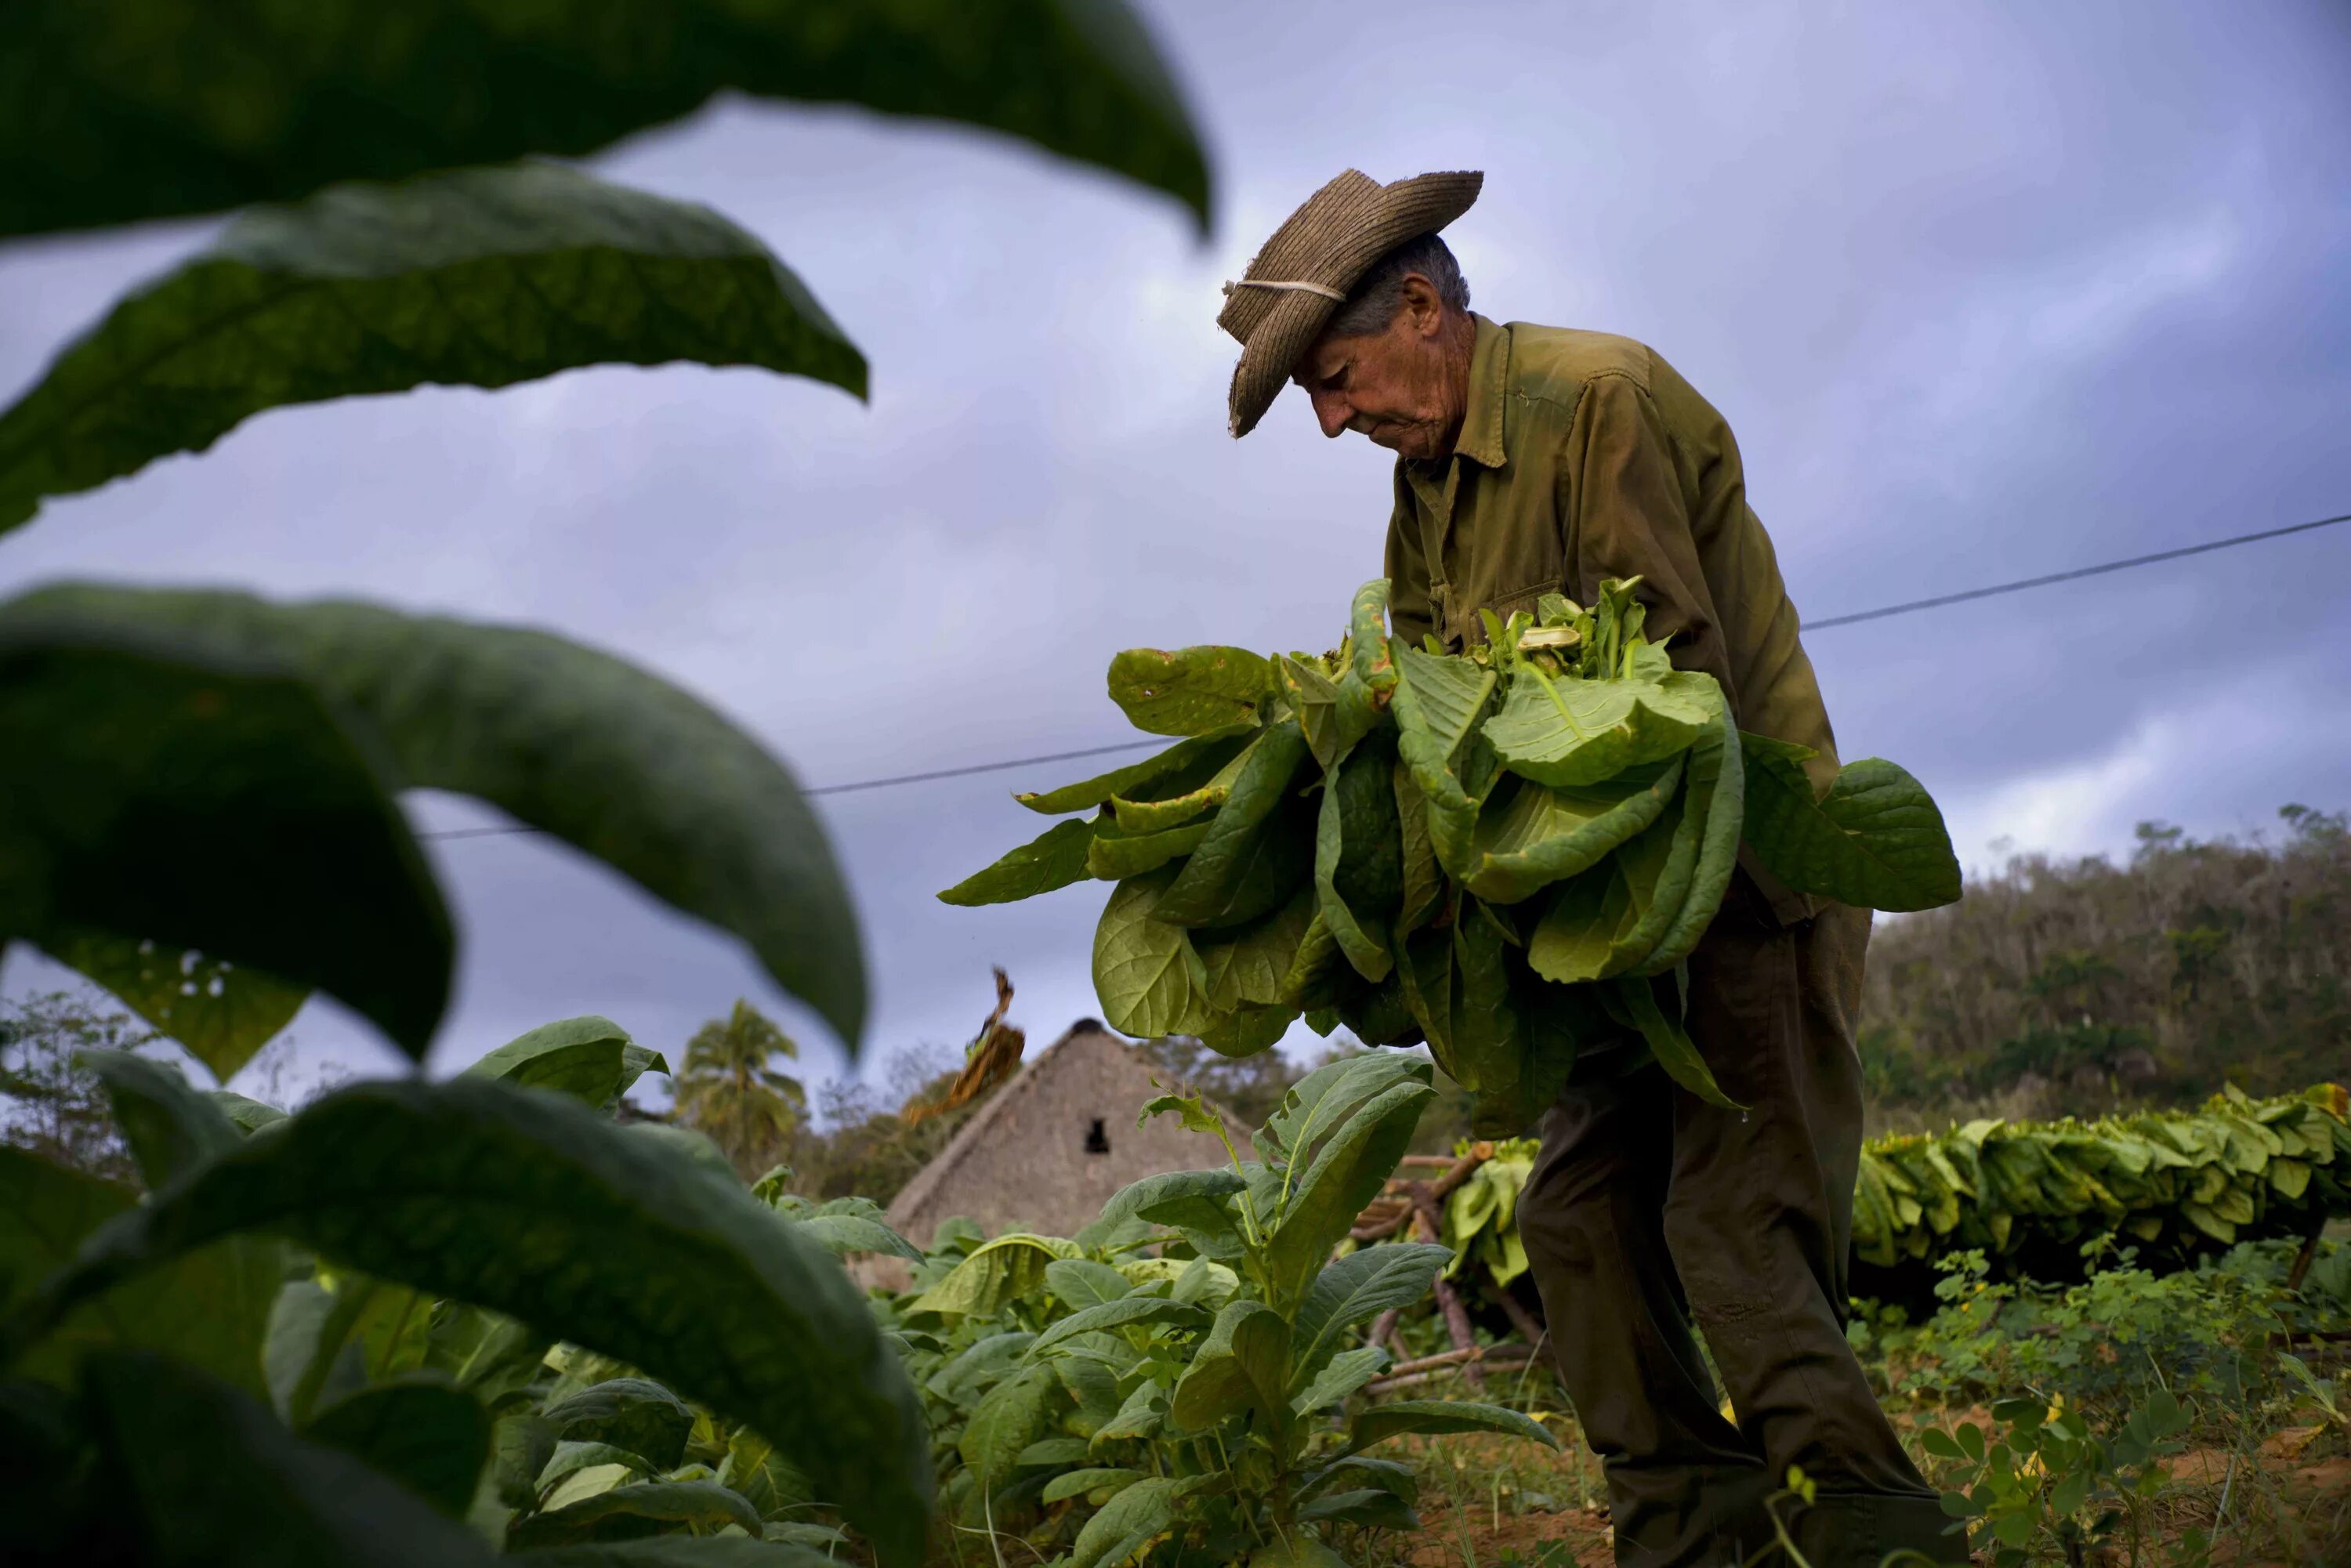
(1323,289)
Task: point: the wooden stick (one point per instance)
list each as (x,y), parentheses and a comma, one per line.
(2310,1236)
(1383,1326)
(1410,1373)
(1448,1300)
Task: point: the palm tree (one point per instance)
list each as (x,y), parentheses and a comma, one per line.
(729,1090)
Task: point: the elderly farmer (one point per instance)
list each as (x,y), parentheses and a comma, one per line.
(1542,459)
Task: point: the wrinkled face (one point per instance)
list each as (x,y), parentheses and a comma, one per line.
(1405,388)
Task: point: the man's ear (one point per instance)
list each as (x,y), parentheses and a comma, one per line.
(1424,308)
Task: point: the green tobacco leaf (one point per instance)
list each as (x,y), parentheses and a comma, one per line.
(222,1012)
(1369,877)
(1360,1287)
(1053,859)
(1191,691)
(569,1458)
(1714,789)
(1361,1471)
(1146,973)
(1370,658)
(1339,1379)
(1346,1172)
(209,1310)
(1456,984)
(1245,965)
(1316,970)
(1115,855)
(1243,1365)
(1424,879)
(1544,835)
(245,1114)
(843,1234)
(1438,1416)
(1877,842)
(1005,1269)
(1055,1451)
(1131,1521)
(479,278)
(535,1205)
(1437,704)
(767,1481)
(324,1344)
(691,1145)
(1247,1029)
(1334,714)
(590,1058)
(1012,1415)
(1359,860)
(1191,1201)
(1242,835)
(1099,789)
(208,1476)
(1192,1112)
(1181,798)
(1311,1109)
(1107,1480)
(1380,1014)
(487,1352)
(431,1438)
(631,1413)
(169,1127)
(122,111)
(1368,1508)
(612,760)
(638,1508)
(1082,1283)
(154,788)
(1609,920)
(45,1210)
(1669,1042)
(1568,732)
(1124,1313)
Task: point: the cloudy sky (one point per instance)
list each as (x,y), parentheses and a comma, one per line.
(1986,291)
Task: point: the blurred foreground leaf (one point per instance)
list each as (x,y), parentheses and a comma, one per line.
(480,277)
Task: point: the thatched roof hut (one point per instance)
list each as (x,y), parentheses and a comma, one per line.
(1049,1149)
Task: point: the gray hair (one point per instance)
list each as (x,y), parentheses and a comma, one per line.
(1378,295)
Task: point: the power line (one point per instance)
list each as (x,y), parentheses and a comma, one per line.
(2077,573)
(1879,614)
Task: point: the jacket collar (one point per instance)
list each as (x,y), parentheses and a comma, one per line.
(1489,370)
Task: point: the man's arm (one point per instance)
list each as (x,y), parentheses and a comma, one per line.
(1623,507)
(1623,513)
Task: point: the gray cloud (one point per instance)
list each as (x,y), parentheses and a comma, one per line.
(1985,291)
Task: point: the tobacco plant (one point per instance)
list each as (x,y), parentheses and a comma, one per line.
(449,1317)
(1187,1401)
(1495,853)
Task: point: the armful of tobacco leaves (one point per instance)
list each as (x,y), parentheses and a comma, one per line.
(1492,853)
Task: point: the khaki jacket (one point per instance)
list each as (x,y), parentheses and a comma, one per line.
(1584,456)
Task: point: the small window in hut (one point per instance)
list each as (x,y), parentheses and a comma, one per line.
(1097,1140)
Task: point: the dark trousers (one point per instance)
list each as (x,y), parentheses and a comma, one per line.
(1648,1208)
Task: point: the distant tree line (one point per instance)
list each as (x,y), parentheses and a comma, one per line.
(2075,987)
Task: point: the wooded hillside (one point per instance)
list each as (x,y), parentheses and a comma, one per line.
(2072,987)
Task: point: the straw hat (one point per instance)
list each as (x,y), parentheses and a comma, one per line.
(1304,271)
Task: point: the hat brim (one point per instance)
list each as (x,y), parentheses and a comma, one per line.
(1403,211)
